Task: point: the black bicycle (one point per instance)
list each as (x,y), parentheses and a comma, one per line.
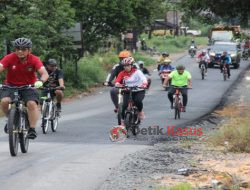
(50,114)
(202,69)
(224,72)
(131,119)
(18,123)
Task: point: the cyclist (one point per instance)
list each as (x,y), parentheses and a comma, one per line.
(145,71)
(114,73)
(21,67)
(203,57)
(164,56)
(180,78)
(55,80)
(132,77)
(226,59)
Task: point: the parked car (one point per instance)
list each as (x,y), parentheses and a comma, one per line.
(217,50)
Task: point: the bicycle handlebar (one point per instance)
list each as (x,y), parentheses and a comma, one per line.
(17,87)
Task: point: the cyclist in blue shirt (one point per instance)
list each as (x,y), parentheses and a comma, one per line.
(226,59)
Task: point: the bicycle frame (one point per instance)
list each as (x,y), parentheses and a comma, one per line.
(18,122)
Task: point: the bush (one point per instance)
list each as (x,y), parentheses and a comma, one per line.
(235,134)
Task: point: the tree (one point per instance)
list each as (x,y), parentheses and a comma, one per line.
(225,8)
(43,21)
(103,18)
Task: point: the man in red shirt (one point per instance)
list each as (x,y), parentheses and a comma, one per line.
(21,67)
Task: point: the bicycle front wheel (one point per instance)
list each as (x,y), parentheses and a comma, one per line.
(13,131)
(128,121)
(45,117)
(119,114)
(24,140)
(54,121)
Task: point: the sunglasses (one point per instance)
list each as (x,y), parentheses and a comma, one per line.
(21,49)
(127,65)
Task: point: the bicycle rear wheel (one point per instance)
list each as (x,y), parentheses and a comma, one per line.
(224,76)
(24,141)
(13,131)
(177,109)
(45,117)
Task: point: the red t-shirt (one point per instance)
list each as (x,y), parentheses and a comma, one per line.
(21,73)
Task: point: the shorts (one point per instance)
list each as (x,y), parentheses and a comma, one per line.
(26,94)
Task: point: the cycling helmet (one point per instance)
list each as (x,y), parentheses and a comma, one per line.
(52,62)
(203,51)
(23,43)
(124,54)
(180,67)
(128,61)
(140,62)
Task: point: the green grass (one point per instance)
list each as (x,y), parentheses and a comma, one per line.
(173,44)
(93,69)
(180,186)
(234,134)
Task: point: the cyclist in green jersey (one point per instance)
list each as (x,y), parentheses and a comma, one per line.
(180,78)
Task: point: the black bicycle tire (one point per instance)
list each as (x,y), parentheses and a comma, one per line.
(202,74)
(127,121)
(24,141)
(55,120)
(119,114)
(44,121)
(13,144)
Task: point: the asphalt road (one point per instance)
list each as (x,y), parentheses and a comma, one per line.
(79,155)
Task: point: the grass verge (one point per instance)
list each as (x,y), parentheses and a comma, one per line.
(235,133)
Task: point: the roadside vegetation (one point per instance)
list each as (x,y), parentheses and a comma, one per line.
(93,69)
(235,133)
(173,44)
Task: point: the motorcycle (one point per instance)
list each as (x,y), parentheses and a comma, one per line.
(163,75)
(192,51)
(245,54)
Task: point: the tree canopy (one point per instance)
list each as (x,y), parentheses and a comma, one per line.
(225,8)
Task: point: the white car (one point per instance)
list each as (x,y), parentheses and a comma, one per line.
(194,32)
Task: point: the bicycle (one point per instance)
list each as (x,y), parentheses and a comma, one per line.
(49,110)
(224,72)
(18,122)
(177,101)
(131,120)
(202,69)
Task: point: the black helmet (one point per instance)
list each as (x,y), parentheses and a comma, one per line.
(180,67)
(52,62)
(165,54)
(23,43)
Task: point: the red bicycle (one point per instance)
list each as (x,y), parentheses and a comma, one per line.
(178,106)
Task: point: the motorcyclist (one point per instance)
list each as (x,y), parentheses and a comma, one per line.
(192,47)
(180,78)
(166,65)
(225,59)
(166,68)
(203,57)
(145,71)
(164,55)
(114,73)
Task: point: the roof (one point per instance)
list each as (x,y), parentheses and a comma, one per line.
(224,43)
